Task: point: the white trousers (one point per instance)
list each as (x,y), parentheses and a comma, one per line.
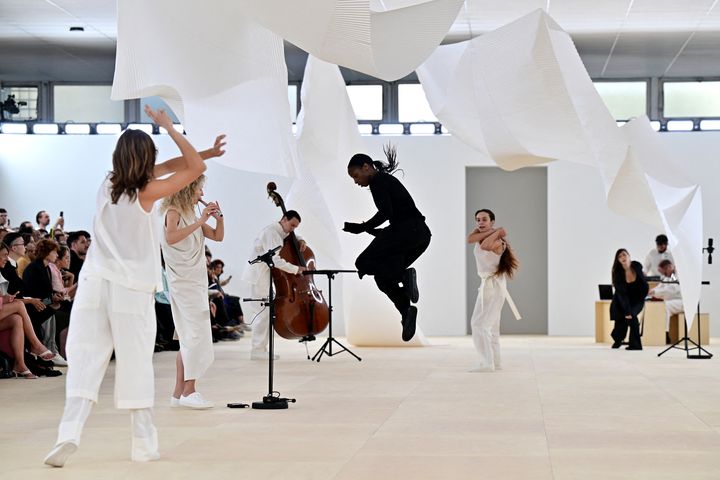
(256,314)
(107,317)
(672,307)
(485,325)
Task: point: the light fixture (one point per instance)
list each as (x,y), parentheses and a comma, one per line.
(77,128)
(108,128)
(46,128)
(365,128)
(655,125)
(17,128)
(422,129)
(145,127)
(709,124)
(679,125)
(390,129)
(77,29)
(178,128)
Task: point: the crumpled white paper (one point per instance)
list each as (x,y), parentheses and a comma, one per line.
(522,95)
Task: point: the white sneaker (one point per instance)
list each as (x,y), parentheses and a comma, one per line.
(59,361)
(145,449)
(174,402)
(60,453)
(195,401)
(262,355)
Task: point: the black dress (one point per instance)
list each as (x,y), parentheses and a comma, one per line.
(628,299)
(397,246)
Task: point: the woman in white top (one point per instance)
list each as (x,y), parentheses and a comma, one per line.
(495,263)
(183,247)
(113,308)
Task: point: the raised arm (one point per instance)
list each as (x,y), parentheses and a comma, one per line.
(183,176)
(495,241)
(174,234)
(476,236)
(217,233)
(170,166)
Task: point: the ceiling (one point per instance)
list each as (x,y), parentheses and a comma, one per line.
(615,38)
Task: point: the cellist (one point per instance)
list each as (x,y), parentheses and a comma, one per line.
(256,278)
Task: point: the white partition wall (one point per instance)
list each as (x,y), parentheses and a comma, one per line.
(63,172)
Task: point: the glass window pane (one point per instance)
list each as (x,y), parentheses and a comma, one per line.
(413,105)
(691,99)
(155,103)
(86,103)
(367,101)
(292,99)
(19,104)
(625,100)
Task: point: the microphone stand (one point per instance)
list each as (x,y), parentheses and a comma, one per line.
(273,400)
(327,346)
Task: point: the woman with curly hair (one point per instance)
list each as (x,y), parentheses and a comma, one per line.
(183,248)
(496,263)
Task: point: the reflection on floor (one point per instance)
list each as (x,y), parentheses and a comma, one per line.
(562,408)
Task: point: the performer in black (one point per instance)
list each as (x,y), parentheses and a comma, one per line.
(396,247)
(631,288)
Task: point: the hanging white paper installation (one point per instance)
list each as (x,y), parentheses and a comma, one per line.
(522,95)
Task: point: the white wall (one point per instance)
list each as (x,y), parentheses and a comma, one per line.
(63,172)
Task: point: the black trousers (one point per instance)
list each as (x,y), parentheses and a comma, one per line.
(622,324)
(387,257)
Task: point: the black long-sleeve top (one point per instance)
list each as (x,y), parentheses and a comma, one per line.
(629,298)
(38,280)
(15,284)
(392,200)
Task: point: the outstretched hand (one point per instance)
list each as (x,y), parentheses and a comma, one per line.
(353,227)
(159,117)
(217,148)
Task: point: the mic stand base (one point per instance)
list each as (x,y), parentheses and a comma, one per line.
(272,403)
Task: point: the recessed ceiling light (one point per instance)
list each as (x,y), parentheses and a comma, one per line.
(77,29)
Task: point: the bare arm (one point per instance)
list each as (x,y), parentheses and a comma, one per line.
(476,236)
(174,164)
(173,234)
(217,233)
(495,241)
(194,167)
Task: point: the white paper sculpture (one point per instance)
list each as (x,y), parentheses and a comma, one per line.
(522,95)
(387,39)
(327,138)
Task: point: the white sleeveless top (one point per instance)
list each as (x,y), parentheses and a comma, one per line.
(125,249)
(487,263)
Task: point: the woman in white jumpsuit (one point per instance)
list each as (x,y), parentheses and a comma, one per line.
(113,307)
(495,263)
(183,248)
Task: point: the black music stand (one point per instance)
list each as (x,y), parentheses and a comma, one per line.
(326,347)
(273,400)
(685,339)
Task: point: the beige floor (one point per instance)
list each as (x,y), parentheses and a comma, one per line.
(563,408)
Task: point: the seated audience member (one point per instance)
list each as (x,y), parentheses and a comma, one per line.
(16,248)
(14,317)
(79,242)
(60,237)
(668,292)
(631,288)
(29,255)
(657,255)
(4,222)
(43,221)
(62,280)
(232,303)
(26,227)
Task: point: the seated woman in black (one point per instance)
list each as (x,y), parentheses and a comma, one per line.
(631,288)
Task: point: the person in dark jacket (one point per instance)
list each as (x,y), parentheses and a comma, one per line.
(396,247)
(631,288)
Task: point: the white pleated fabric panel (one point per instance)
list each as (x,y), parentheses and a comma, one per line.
(522,95)
(386,39)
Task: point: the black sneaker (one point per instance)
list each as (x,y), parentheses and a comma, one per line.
(408,323)
(410,285)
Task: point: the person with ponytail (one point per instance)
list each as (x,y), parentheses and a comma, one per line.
(113,307)
(631,288)
(496,263)
(396,247)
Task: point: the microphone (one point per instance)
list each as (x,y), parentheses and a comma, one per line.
(710,249)
(206,204)
(265,257)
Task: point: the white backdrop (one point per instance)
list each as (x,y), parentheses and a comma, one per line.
(63,172)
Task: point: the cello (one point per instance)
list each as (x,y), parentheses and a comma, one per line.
(300,308)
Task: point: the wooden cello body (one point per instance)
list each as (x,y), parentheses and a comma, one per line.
(300,308)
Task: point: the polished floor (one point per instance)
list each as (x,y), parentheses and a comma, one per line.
(562,408)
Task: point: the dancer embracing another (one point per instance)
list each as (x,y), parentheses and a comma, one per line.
(496,263)
(113,308)
(397,246)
